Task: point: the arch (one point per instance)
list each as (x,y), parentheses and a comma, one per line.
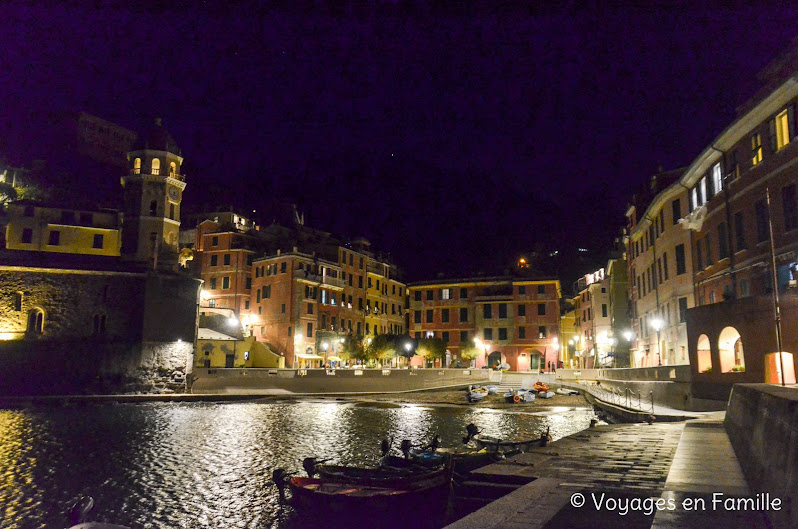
(704,355)
(494,359)
(730,351)
(535,360)
(773,365)
(137,166)
(172,169)
(156,166)
(35,321)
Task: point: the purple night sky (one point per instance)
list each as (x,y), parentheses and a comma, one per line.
(453,138)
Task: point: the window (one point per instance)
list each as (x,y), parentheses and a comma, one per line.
(172,211)
(522,290)
(172,169)
(502,310)
(283,267)
(463,293)
(717,178)
(156,166)
(487,334)
(227,259)
(55,238)
(521,333)
(487,311)
(756,148)
(445,336)
(665,265)
(213,283)
(267,291)
(761,214)
(67,217)
(541,309)
(18,301)
(603,310)
(699,259)
(137,166)
(463,315)
(27,236)
(444,315)
(446,293)
(463,336)
(429,315)
(502,333)
(430,294)
(212,303)
(351,260)
(739,231)
(417,295)
(35,322)
(214,260)
(745,288)
(789,207)
(310,330)
(214,241)
(542,331)
(417,316)
(782,128)
(248,283)
(521,310)
(541,289)
(310,308)
(225,282)
(681,265)
(682,309)
(723,241)
(659,269)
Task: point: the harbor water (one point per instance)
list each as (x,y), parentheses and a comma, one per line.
(198,465)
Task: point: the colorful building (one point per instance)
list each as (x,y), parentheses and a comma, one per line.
(510,320)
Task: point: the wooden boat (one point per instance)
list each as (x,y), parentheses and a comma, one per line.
(494,444)
(540,387)
(417,459)
(347,501)
(476,393)
(408,477)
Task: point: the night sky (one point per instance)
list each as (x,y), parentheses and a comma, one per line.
(453,138)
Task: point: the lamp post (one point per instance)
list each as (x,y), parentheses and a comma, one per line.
(324,347)
(408,348)
(656,324)
(481,344)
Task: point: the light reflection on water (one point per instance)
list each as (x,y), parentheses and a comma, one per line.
(209,464)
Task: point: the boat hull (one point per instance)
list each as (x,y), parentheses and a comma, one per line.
(492,444)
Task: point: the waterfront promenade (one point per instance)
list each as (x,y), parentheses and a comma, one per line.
(601,477)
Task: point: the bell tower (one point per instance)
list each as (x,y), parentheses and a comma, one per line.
(153,191)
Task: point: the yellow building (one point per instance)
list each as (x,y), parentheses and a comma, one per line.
(35,227)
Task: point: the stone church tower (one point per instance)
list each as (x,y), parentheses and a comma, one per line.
(153,192)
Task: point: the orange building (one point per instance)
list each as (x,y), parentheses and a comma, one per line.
(511,320)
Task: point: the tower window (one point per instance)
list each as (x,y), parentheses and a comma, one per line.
(137,166)
(156,166)
(172,169)
(153,207)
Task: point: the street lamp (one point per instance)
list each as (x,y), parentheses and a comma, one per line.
(480,343)
(324,346)
(656,324)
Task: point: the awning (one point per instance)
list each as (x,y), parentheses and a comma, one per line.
(333,359)
(309,357)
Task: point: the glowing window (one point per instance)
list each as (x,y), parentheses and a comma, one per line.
(156,166)
(172,169)
(730,351)
(782,130)
(704,354)
(756,148)
(717,179)
(137,166)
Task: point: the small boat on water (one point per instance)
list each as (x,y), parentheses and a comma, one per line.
(78,512)
(476,393)
(494,444)
(566,391)
(410,477)
(545,394)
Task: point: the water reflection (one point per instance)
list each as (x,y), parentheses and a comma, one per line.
(209,465)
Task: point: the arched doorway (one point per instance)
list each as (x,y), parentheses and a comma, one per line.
(704,354)
(730,351)
(535,360)
(35,321)
(773,366)
(494,359)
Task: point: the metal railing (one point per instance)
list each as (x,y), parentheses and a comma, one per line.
(626,398)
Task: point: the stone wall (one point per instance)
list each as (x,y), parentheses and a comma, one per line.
(762,423)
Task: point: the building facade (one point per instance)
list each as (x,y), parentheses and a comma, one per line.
(513,321)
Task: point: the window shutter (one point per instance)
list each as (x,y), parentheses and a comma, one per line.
(791,120)
(772,125)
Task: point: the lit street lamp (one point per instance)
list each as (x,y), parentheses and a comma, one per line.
(324,347)
(657,324)
(481,344)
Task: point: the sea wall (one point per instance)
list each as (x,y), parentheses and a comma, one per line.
(762,423)
(308,381)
